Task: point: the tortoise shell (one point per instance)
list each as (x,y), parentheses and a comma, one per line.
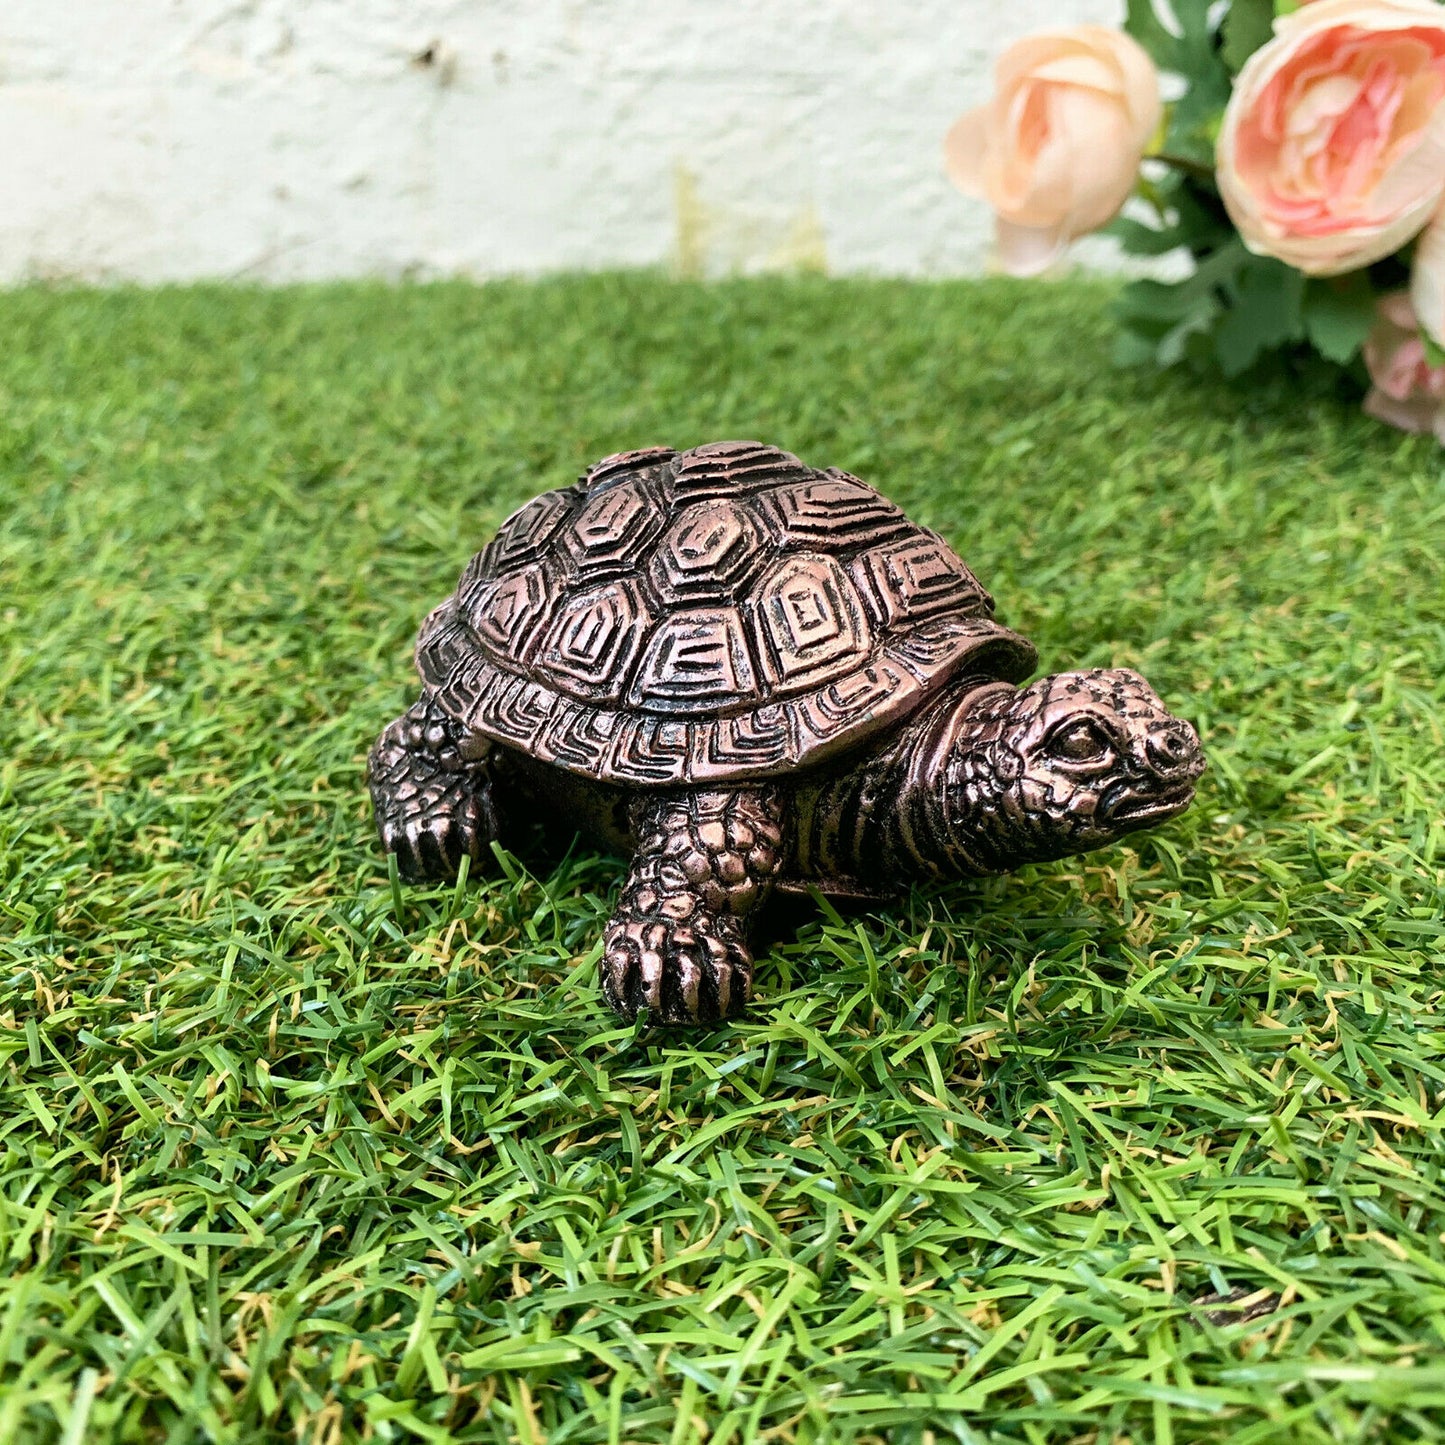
(720,613)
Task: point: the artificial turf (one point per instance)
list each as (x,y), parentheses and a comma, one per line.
(1146,1146)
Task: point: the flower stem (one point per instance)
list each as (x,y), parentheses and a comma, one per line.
(1183,163)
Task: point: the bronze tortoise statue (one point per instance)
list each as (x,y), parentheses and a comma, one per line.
(751,675)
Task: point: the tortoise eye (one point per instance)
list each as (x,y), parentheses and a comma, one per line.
(1081,742)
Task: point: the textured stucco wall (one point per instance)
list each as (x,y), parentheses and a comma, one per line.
(278,139)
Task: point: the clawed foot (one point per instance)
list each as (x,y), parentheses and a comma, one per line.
(682,972)
(433,808)
(431,839)
(677,945)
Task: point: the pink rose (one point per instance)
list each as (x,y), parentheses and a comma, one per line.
(1407,390)
(1056,151)
(1332,153)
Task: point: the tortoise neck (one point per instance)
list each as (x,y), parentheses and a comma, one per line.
(925,835)
(870,821)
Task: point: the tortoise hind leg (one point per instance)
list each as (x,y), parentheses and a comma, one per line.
(433,805)
(677,943)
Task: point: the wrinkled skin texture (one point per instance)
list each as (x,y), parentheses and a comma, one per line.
(677,943)
(1066,765)
(988,778)
(433,806)
(995,777)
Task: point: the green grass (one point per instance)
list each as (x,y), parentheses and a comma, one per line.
(287,1155)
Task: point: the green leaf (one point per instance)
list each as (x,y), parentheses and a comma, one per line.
(1163,301)
(1198,114)
(1179,34)
(1189,215)
(1338,315)
(1265,313)
(1176,344)
(1197,25)
(1177,318)
(1182,37)
(1247,26)
(1134,348)
(1141,240)
(1195,22)
(1143,23)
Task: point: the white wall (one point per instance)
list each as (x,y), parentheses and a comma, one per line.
(280,139)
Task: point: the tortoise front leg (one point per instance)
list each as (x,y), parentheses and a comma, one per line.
(677,943)
(433,805)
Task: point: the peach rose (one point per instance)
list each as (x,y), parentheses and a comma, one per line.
(1332,152)
(1407,390)
(1427,280)
(1057,149)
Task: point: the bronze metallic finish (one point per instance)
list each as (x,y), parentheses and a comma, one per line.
(751,675)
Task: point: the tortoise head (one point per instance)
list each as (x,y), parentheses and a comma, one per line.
(1070,763)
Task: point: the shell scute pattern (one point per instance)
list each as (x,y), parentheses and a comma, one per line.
(619,467)
(697,660)
(732,469)
(813,621)
(650,749)
(592,645)
(508,611)
(512,708)
(528,533)
(710,550)
(613,527)
(736,745)
(914,577)
(578,737)
(717,613)
(834,508)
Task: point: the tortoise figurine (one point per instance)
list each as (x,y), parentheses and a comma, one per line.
(749,676)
